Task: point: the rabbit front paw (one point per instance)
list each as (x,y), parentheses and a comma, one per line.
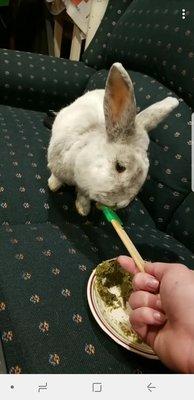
(171,102)
(53,183)
(82,204)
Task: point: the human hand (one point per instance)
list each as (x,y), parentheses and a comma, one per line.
(163,311)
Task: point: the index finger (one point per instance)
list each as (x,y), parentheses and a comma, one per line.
(158,269)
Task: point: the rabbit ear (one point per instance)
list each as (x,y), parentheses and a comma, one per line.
(119,104)
(150,117)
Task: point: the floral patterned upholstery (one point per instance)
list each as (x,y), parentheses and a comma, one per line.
(96,53)
(40,82)
(169,180)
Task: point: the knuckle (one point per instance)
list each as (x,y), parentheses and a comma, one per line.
(134,281)
(144,297)
(139,299)
(132,300)
(133,318)
(144,313)
(137,280)
(181,266)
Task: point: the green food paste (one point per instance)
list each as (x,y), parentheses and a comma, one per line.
(109,274)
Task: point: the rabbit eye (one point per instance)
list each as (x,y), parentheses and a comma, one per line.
(120,168)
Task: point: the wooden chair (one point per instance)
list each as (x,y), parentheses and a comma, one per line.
(54,37)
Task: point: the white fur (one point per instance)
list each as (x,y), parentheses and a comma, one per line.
(81,153)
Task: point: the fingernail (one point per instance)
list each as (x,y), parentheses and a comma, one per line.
(158,316)
(152,283)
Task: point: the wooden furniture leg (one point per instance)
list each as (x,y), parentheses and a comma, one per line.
(58,34)
(76,44)
(50,37)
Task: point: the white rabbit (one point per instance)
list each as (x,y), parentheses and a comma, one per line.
(100,145)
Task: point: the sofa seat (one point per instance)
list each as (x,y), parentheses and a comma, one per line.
(48,253)
(46,325)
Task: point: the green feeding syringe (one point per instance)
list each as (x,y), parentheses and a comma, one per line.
(112,217)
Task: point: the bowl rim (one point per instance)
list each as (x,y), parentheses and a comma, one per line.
(105,326)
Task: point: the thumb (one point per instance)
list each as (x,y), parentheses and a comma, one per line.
(128,264)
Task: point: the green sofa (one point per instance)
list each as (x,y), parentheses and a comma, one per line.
(47,250)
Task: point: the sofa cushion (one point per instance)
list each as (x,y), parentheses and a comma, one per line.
(23,144)
(168,181)
(25,197)
(96,53)
(152,37)
(181,225)
(45,322)
(40,82)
